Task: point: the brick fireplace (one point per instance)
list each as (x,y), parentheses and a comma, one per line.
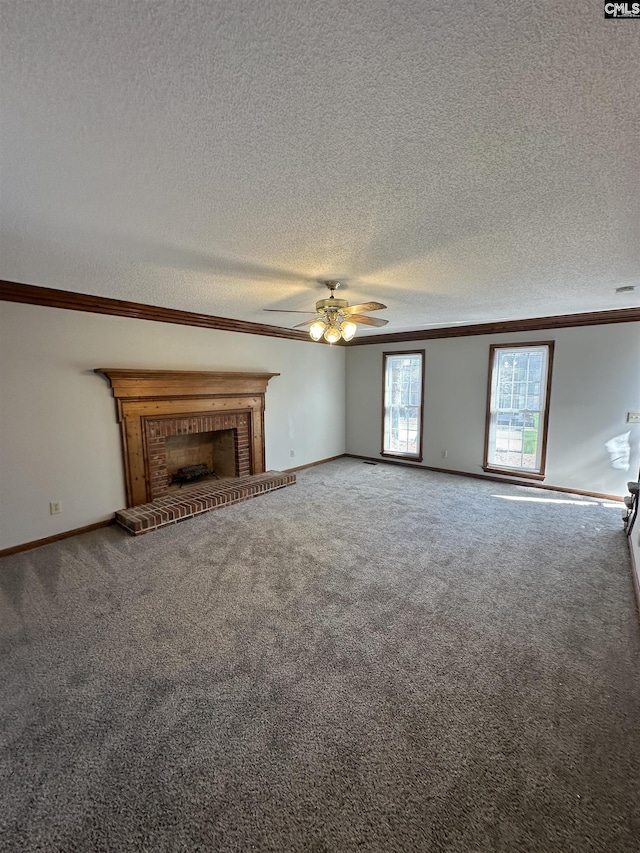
(211,429)
(156,406)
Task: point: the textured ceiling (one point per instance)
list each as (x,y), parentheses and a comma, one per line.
(460,162)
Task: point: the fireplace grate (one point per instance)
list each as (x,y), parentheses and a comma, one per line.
(191,473)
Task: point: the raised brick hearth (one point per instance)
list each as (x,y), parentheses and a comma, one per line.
(196,499)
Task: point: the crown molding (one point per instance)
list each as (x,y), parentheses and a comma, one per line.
(49,297)
(11,291)
(535,324)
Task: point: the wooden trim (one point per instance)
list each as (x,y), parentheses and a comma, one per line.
(11,291)
(128,384)
(37,543)
(408,456)
(534,324)
(547,405)
(313,464)
(528,475)
(486,465)
(417,456)
(511,480)
(487,414)
(50,297)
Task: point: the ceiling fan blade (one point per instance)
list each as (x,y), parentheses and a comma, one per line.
(365,306)
(367,321)
(305,323)
(287,311)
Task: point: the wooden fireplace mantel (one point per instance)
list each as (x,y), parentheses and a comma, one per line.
(142,384)
(144,396)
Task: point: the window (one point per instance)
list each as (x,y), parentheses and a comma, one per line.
(518,408)
(402,422)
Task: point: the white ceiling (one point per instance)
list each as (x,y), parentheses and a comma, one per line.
(460,162)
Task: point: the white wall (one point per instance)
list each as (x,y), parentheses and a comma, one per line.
(596,381)
(59,438)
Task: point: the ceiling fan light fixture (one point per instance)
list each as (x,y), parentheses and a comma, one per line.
(335,319)
(332,335)
(348,330)
(316,330)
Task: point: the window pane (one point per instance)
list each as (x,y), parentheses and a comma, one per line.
(519,379)
(403,403)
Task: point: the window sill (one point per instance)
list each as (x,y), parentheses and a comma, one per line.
(412,457)
(513,472)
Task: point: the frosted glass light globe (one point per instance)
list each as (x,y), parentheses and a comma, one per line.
(316,330)
(332,335)
(348,330)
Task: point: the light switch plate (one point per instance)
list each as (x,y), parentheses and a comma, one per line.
(633,417)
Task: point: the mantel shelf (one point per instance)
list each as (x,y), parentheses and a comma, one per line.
(140,384)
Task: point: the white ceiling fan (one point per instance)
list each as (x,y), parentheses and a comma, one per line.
(335,318)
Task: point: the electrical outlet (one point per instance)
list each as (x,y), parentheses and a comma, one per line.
(292,453)
(55,508)
(633,417)
(444,454)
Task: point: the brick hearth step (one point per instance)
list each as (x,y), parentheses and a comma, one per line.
(194,499)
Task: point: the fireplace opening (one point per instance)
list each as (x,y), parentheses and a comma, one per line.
(216,450)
